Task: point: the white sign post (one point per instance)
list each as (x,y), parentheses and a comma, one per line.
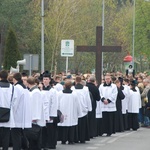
(67,50)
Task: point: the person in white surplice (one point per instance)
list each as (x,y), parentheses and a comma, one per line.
(22,113)
(38,119)
(68,104)
(8,97)
(86,106)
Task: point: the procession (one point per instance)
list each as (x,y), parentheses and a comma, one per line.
(74,74)
(70,108)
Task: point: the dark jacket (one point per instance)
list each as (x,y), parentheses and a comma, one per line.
(95,94)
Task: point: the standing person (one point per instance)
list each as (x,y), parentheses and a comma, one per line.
(38,119)
(49,133)
(141,111)
(126,92)
(134,104)
(22,113)
(147,106)
(57,85)
(146,83)
(46,80)
(119,117)
(99,121)
(8,98)
(95,96)
(24,78)
(86,106)
(46,87)
(108,92)
(68,104)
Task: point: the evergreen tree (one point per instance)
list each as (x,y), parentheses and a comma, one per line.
(11,52)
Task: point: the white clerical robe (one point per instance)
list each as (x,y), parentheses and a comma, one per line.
(68,104)
(22,110)
(98,109)
(108,92)
(84,99)
(37,107)
(126,92)
(50,104)
(5,101)
(134,102)
(58,87)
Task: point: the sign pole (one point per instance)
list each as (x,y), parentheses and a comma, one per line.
(66,65)
(30,69)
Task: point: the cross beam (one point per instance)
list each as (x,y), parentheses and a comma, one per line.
(98,49)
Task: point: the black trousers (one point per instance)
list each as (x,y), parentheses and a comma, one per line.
(16,135)
(34,136)
(5,137)
(133,121)
(67,133)
(51,140)
(108,123)
(83,129)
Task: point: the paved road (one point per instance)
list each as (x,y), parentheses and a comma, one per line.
(129,140)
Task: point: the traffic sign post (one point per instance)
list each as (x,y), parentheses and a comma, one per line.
(67,50)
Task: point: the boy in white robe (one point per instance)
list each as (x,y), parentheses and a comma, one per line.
(8,99)
(68,104)
(22,111)
(38,119)
(134,104)
(86,106)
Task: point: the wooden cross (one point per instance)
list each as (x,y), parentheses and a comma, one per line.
(98,49)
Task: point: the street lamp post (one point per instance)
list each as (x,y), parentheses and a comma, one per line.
(133,38)
(42,36)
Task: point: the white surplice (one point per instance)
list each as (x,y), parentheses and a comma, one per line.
(134,102)
(108,92)
(22,109)
(126,92)
(37,107)
(84,99)
(5,101)
(50,104)
(68,104)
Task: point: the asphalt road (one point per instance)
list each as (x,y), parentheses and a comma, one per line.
(129,140)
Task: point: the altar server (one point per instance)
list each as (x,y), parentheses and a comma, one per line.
(86,106)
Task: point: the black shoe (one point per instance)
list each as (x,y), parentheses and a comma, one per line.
(71,143)
(63,142)
(82,142)
(108,134)
(52,147)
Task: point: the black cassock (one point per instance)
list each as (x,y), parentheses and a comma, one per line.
(82,130)
(95,96)
(118,114)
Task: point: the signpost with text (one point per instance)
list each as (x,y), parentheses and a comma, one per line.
(67,50)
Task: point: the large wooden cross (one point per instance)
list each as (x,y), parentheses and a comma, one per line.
(98,49)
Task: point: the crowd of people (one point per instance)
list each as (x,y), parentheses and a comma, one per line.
(70,108)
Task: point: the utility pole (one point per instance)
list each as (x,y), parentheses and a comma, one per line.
(42,36)
(133,38)
(103,29)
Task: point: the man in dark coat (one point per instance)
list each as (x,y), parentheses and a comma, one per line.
(95,96)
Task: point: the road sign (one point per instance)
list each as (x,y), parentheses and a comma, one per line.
(67,48)
(32,62)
